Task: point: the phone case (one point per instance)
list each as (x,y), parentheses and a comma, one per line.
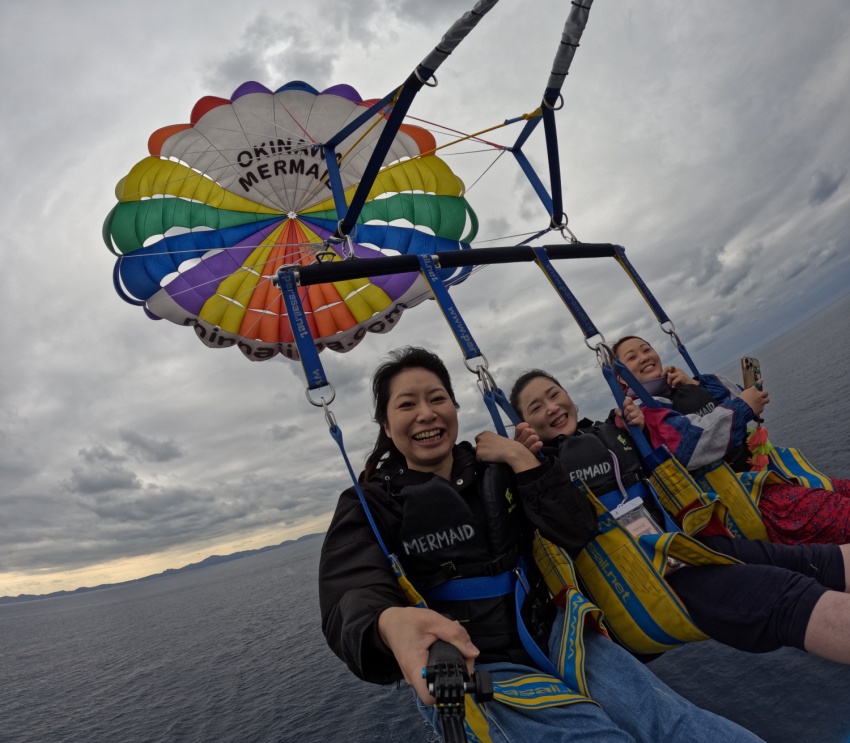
(751,371)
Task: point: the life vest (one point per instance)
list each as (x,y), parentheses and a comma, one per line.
(588,455)
(444,538)
(464,559)
(623,574)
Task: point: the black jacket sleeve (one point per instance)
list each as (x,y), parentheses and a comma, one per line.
(356,584)
(556,507)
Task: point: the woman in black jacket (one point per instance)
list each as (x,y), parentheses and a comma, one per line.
(450,513)
(784,595)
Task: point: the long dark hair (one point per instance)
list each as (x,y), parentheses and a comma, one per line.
(409,357)
(522,383)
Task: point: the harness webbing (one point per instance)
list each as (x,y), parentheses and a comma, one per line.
(494,398)
(402,100)
(569,299)
(573,29)
(656,308)
(315,374)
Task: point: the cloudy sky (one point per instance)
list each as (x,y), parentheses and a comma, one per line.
(713,146)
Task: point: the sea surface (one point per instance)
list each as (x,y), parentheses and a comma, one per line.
(234,652)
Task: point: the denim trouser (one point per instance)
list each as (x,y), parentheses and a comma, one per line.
(635,706)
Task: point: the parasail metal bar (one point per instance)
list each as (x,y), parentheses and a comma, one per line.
(358,269)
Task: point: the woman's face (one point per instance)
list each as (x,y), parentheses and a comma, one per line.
(548,409)
(422,421)
(640,359)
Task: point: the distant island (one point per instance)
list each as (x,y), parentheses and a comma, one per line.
(206,562)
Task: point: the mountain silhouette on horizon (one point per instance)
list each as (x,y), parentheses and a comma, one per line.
(206,562)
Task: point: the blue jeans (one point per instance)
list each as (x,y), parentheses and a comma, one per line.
(635,706)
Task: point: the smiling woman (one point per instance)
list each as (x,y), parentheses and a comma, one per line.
(457,526)
(707,427)
(743,605)
(549,410)
(421,421)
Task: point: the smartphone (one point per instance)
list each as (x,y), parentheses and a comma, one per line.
(752,372)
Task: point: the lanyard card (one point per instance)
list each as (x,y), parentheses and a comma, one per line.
(634,517)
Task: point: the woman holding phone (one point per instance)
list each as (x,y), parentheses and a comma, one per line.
(713,426)
(781,596)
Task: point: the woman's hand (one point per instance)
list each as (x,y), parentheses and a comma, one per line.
(491,447)
(755,398)
(676,377)
(631,414)
(409,632)
(528,437)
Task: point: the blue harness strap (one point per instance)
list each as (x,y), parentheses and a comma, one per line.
(488,587)
(313,370)
(463,336)
(658,311)
(541,258)
(615,497)
(521,590)
(464,589)
(494,398)
(315,374)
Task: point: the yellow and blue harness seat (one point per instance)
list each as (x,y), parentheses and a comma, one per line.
(741,492)
(680,496)
(694,499)
(791,464)
(624,577)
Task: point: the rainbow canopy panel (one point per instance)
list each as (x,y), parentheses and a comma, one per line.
(202,226)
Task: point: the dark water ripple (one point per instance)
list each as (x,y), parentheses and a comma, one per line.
(228,653)
(234,652)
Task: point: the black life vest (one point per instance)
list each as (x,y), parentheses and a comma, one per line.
(472,529)
(586,456)
(692,399)
(473,532)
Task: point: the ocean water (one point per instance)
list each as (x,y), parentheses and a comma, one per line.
(234,652)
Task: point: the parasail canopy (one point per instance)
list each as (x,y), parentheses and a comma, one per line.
(203,225)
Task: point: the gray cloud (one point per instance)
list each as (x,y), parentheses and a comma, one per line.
(101,471)
(274,51)
(122,437)
(739,274)
(279,432)
(823,185)
(149,449)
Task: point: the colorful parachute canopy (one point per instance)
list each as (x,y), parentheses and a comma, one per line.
(203,225)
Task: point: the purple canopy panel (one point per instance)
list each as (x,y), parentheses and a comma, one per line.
(249,87)
(344,91)
(191,289)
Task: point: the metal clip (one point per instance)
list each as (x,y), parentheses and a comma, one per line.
(321,403)
(671,331)
(486,383)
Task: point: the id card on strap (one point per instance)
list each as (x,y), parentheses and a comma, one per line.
(637,520)
(633,516)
